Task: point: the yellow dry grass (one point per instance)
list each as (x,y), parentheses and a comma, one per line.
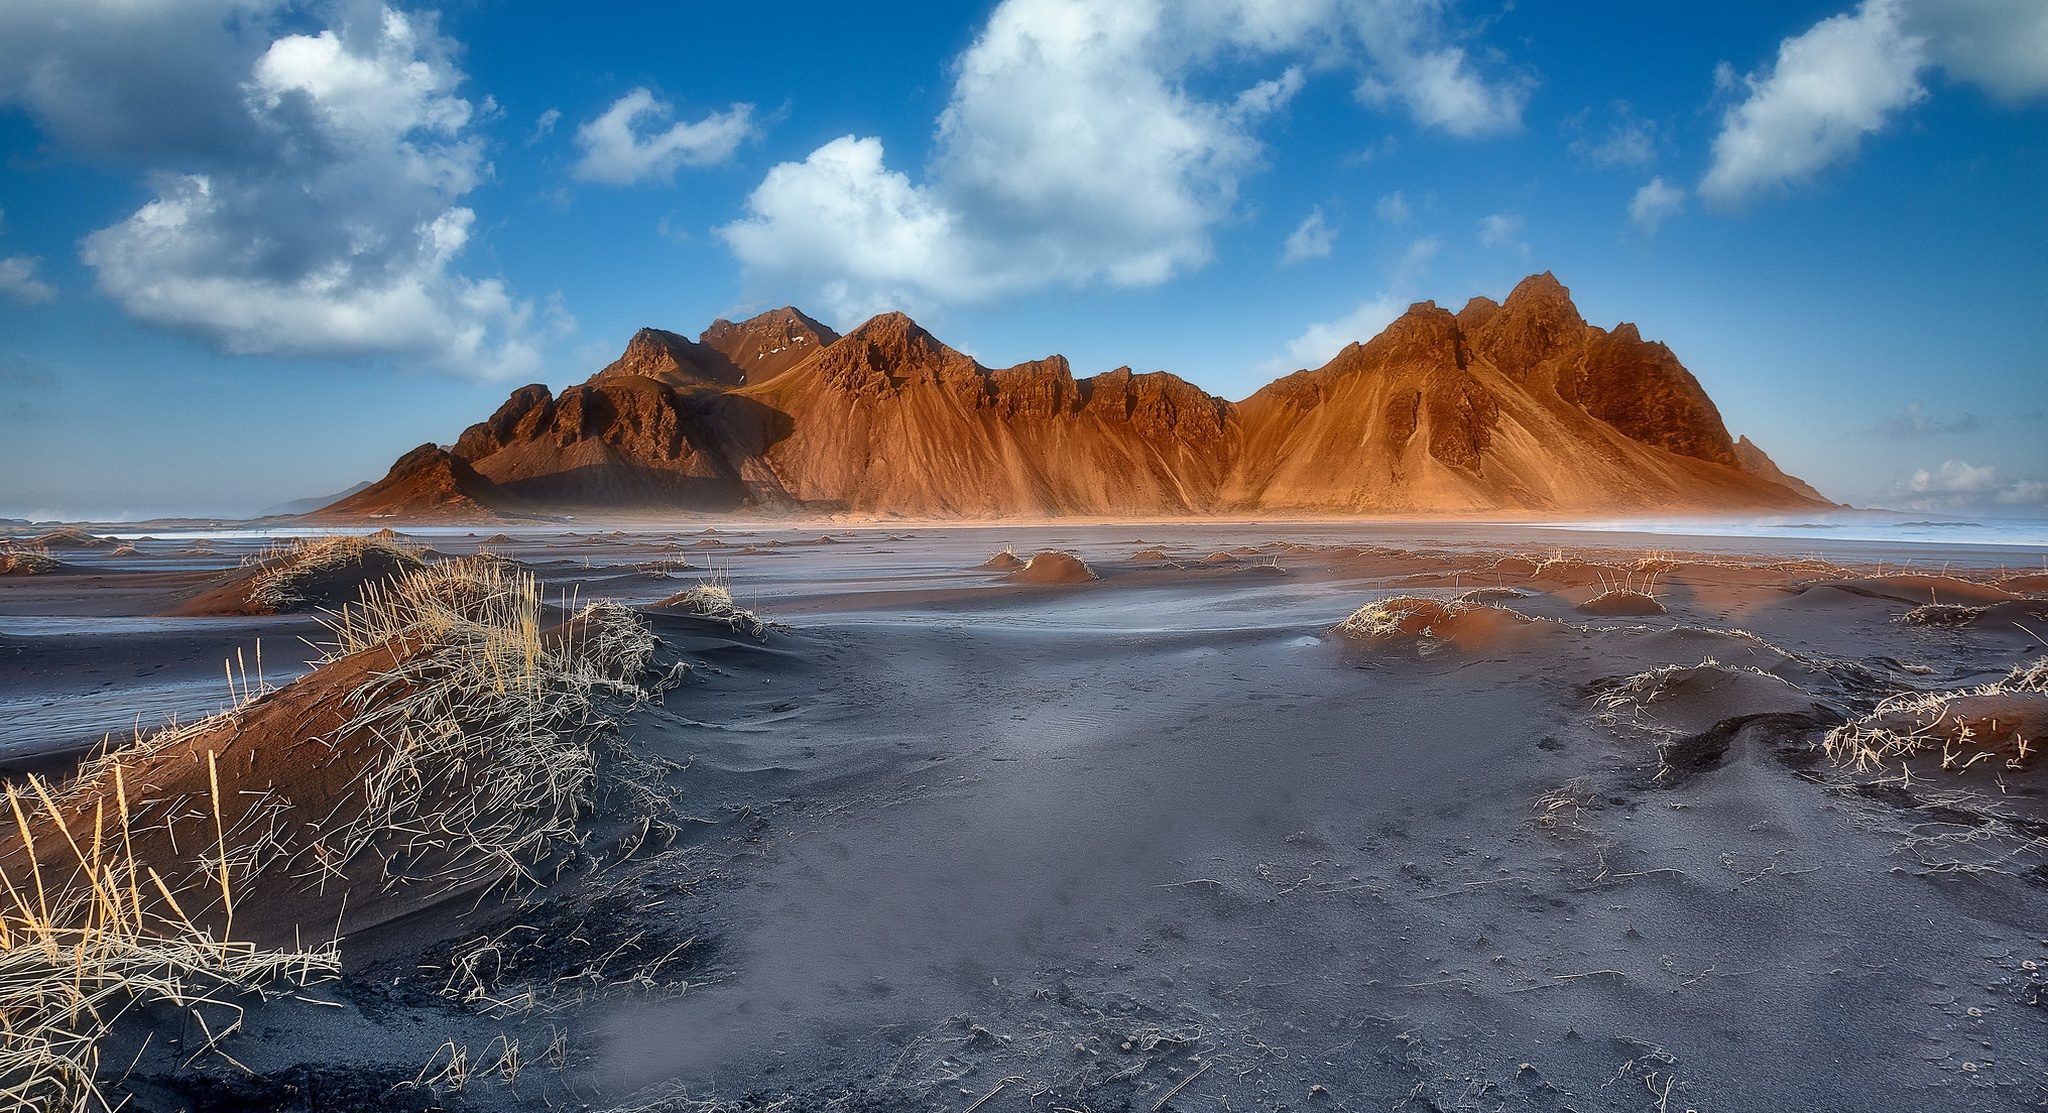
(1966,726)
(78,954)
(486,727)
(288,567)
(26,560)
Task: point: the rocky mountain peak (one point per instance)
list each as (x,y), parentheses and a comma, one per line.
(671,358)
(764,346)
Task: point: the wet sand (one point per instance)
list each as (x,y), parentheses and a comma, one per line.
(1165,840)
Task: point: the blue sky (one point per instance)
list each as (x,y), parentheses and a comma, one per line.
(252,251)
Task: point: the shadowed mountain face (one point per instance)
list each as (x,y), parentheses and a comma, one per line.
(1500,407)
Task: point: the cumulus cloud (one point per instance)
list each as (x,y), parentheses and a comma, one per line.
(122,80)
(1075,148)
(340,237)
(1656,202)
(619,147)
(1913,423)
(1830,86)
(1958,484)
(20,280)
(1850,74)
(1312,239)
(1502,231)
(869,235)
(307,185)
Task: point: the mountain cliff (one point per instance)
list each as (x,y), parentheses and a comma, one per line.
(1513,406)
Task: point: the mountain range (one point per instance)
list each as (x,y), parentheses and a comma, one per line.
(1509,407)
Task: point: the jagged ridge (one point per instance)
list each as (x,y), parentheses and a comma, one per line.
(1519,405)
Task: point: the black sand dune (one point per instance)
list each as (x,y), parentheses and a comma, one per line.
(1172,842)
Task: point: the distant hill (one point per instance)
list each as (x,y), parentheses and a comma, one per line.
(307,505)
(1509,407)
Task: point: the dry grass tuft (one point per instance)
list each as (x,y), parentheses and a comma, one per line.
(1402,616)
(27,561)
(1941,614)
(81,949)
(290,569)
(479,741)
(488,719)
(712,599)
(1965,726)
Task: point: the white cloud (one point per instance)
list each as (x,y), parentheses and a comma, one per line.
(1502,231)
(867,233)
(1393,208)
(1958,485)
(618,148)
(1321,341)
(1441,90)
(20,280)
(338,237)
(1628,141)
(1655,203)
(544,126)
(2001,45)
(1075,150)
(1311,240)
(1830,86)
(1953,477)
(1848,75)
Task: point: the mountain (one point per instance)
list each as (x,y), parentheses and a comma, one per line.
(1500,407)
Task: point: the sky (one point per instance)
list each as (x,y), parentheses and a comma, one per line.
(252,250)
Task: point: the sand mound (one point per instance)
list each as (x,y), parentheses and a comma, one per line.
(1002,560)
(1051,567)
(2003,724)
(2032,583)
(305,576)
(1689,698)
(713,600)
(71,537)
(2025,612)
(445,743)
(29,562)
(1446,621)
(1564,571)
(1621,602)
(1150,554)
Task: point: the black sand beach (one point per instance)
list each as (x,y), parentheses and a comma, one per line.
(941,838)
